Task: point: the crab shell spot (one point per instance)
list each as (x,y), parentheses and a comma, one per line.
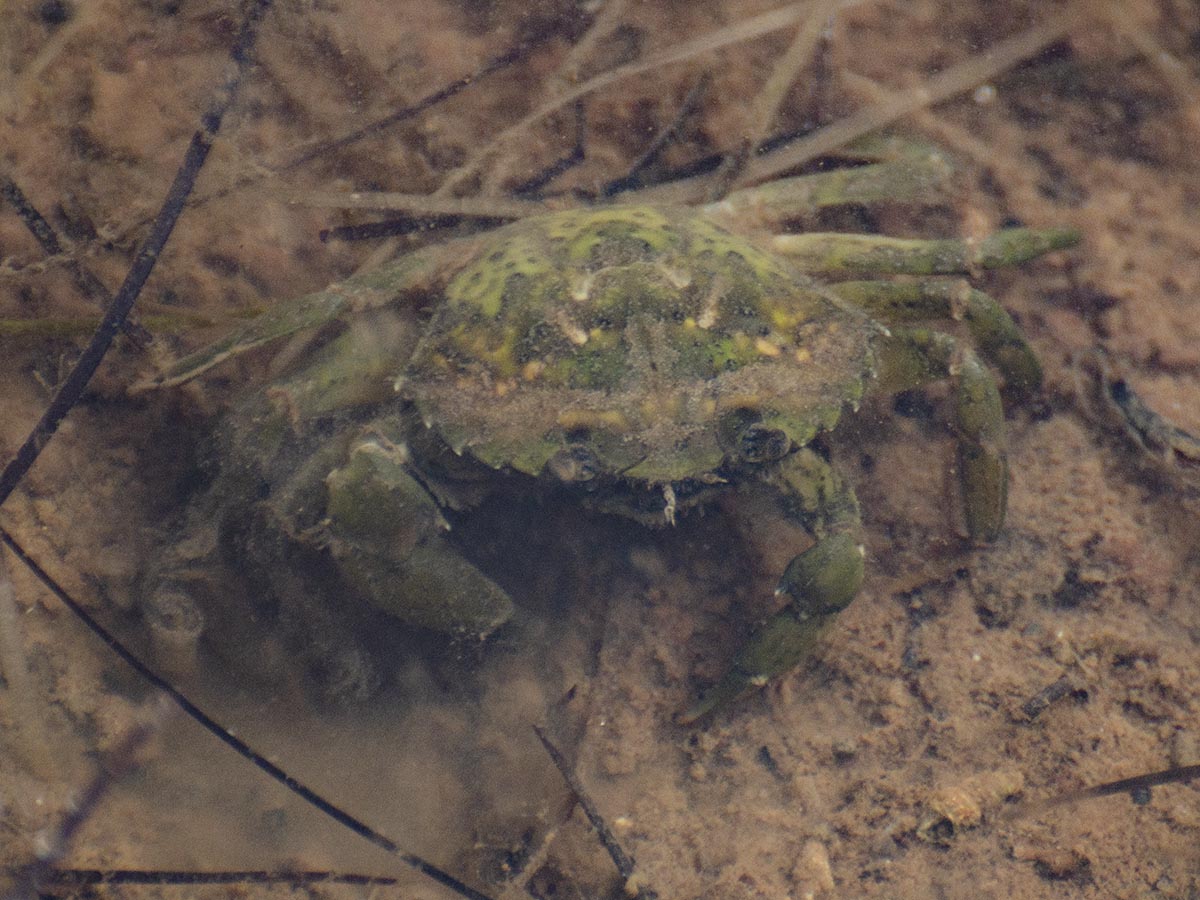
(593,419)
(584,233)
(574,333)
(676,277)
(483,283)
(469,341)
(766,348)
(581,288)
(710,306)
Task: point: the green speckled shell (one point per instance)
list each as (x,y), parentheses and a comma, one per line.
(632,330)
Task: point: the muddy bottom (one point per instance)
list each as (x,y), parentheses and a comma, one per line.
(895,763)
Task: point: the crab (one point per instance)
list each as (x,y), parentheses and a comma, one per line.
(643,358)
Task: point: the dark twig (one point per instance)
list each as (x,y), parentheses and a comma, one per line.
(564,163)
(513,54)
(73,878)
(118,311)
(43,232)
(622,860)
(1051,693)
(1130,785)
(509,57)
(1138,787)
(297,787)
(635,177)
(369,231)
(114,766)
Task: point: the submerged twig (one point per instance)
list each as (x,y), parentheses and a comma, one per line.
(28,725)
(766,105)
(633,178)
(890,108)
(300,155)
(209,724)
(19,93)
(743,31)
(76,878)
(422,204)
(512,55)
(1169,68)
(622,860)
(118,311)
(989,62)
(603,24)
(114,765)
(1137,785)
(43,232)
(175,322)
(567,161)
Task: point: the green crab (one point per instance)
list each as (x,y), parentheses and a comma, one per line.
(643,358)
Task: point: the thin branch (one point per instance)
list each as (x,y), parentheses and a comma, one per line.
(512,55)
(421,204)
(90,877)
(114,766)
(981,67)
(1138,784)
(743,31)
(622,860)
(209,724)
(43,232)
(72,389)
(603,24)
(314,150)
(569,160)
(633,178)
(987,64)
(766,105)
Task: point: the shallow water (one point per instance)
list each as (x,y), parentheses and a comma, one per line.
(824,784)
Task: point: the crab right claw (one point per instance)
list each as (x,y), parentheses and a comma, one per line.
(821,582)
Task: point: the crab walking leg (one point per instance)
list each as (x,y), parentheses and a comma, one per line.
(420,270)
(385,535)
(916,356)
(819,583)
(900,181)
(992,329)
(858,254)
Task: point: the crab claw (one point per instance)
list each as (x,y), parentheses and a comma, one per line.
(776,648)
(821,582)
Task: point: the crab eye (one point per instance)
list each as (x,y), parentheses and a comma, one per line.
(574,463)
(758,443)
(746,438)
